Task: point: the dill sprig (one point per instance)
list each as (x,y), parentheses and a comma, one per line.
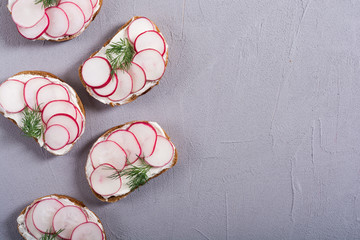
(50,236)
(120,55)
(32,123)
(136,174)
(47,3)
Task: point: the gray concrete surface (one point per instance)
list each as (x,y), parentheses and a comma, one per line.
(261,98)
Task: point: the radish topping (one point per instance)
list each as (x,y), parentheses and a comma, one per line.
(85,5)
(139,26)
(152,62)
(109,89)
(128,142)
(108,152)
(26,13)
(66,219)
(12,96)
(163,153)
(56,137)
(101,183)
(56,107)
(94,2)
(31,88)
(44,213)
(35,31)
(58,22)
(138,76)
(146,136)
(87,231)
(75,15)
(51,92)
(96,72)
(79,120)
(150,39)
(66,121)
(30,224)
(124,86)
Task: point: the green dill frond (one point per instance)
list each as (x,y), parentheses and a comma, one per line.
(47,3)
(31,123)
(50,236)
(120,55)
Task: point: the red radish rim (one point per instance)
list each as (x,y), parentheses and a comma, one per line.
(19,24)
(56,101)
(67,115)
(61,146)
(162,38)
(172,156)
(33,26)
(148,124)
(144,74)
(23,94)
(68,23)
(132,83)
(67,92)
(147,49)
(37,205)
(26,225)
(106,163)
(82,121)
(107,81)
(95,4)
(127,30)
(102,233)
(101,165)
(101,95)
(36,91)
(68,17)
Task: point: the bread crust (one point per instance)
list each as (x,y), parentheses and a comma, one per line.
(73,200)
(117,198)
(133,96)
(47,74)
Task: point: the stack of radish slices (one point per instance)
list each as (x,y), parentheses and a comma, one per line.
(59,21)
(116,86)
(123,151)
(26,98)
(62,215)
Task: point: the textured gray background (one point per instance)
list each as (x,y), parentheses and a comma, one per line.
(261,98)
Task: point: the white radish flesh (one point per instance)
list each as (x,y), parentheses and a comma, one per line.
(124,86)
(163,153)
(51,92)
(56,107)
(96,72)
(35,31)
(128,142)
(85,5)
(79,120)
(58,22)
(67,219)
(26,13)
(139,26)
(56,137)
(75,16)
(150,39)
(44,213)
(101,183)
(31,88)
(12,96)
(66,121)
(146,136)
(87,231)
(109,89)
(138,77)
(108,152)
(30,224)
(152,62)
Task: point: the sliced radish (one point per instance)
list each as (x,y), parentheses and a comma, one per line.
(56,137)
(163,153)
(152,62)
(79,120)
(108,152)
(96,72)
(58,22)
(138,76)
(12,96)
(67,218)
(51,92)
(56,107)
(87,231)
(150,39)
(44,213)
(101,182)
(66,121)
(128,142)
(35,31)
(30,224)
(146,136)
(26,13)
(124,86)
(75,15)
(139,26)
(85,5)
(94,3)
(31,88)
(109,89)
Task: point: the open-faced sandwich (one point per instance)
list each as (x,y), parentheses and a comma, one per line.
(128,65)
(45,108)
(126,157)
